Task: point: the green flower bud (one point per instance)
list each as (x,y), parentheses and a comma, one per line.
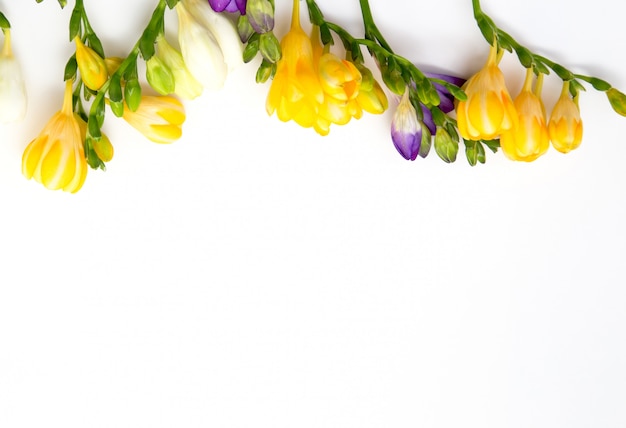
(445,146)
(260,14)
(617,100)
(270,47)
(265,71)
(132,94)
(103,148)
(244,28)
(159,76)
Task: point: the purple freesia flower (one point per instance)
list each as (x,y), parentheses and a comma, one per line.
(406,130)
(229,6)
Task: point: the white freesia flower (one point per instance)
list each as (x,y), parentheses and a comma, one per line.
(209,43)
(12,87)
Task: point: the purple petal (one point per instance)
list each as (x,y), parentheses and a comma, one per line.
(457,81)
(407,144)
(428,120)
(219,5)
(241,5)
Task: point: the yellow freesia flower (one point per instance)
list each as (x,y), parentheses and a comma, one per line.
(489,109)
(56,158)
(295,93)
(566,126)
(159,119)
(529,139)
(340,81)
(92,67)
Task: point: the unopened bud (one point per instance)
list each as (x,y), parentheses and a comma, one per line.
(159,76)
(260,14)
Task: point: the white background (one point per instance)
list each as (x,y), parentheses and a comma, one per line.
(255,274)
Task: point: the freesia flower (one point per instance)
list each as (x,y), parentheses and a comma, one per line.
(406,130)
(566,127)
(229,6)
(159,119)
(185,85)
(12,87)
(295,93)
(489,110)
(209,43)
(56,157)
(340,81)
(92,67)
(529,140)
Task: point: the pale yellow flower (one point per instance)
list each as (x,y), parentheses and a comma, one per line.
(159,119)
(56,158)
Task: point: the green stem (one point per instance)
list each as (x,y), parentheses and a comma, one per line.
(371,30)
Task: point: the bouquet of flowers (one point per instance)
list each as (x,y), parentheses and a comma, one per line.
(316,78)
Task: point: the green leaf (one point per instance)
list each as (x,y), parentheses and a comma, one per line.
(93,127)
(493,145)
(75,21)
(4,22)
(70,68)
(327,38)
(115,89)
(562,72)
(524,56)
(63,3)
(474,152)
(599,84)
(95,44)
(171,3)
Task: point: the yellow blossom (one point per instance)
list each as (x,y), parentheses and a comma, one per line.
(340,81)
(529,139)
(92,67)
(159,119)
(295,93)
(566,126)
(489,109)
(56,157)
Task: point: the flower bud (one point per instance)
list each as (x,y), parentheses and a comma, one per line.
(260,14)
(244,29)
(93,69)
(269,47)
(617,100)
(159,76)
(406,130)
(103,148)
(445,146)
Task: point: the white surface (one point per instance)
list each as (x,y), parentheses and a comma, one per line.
(254,274)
